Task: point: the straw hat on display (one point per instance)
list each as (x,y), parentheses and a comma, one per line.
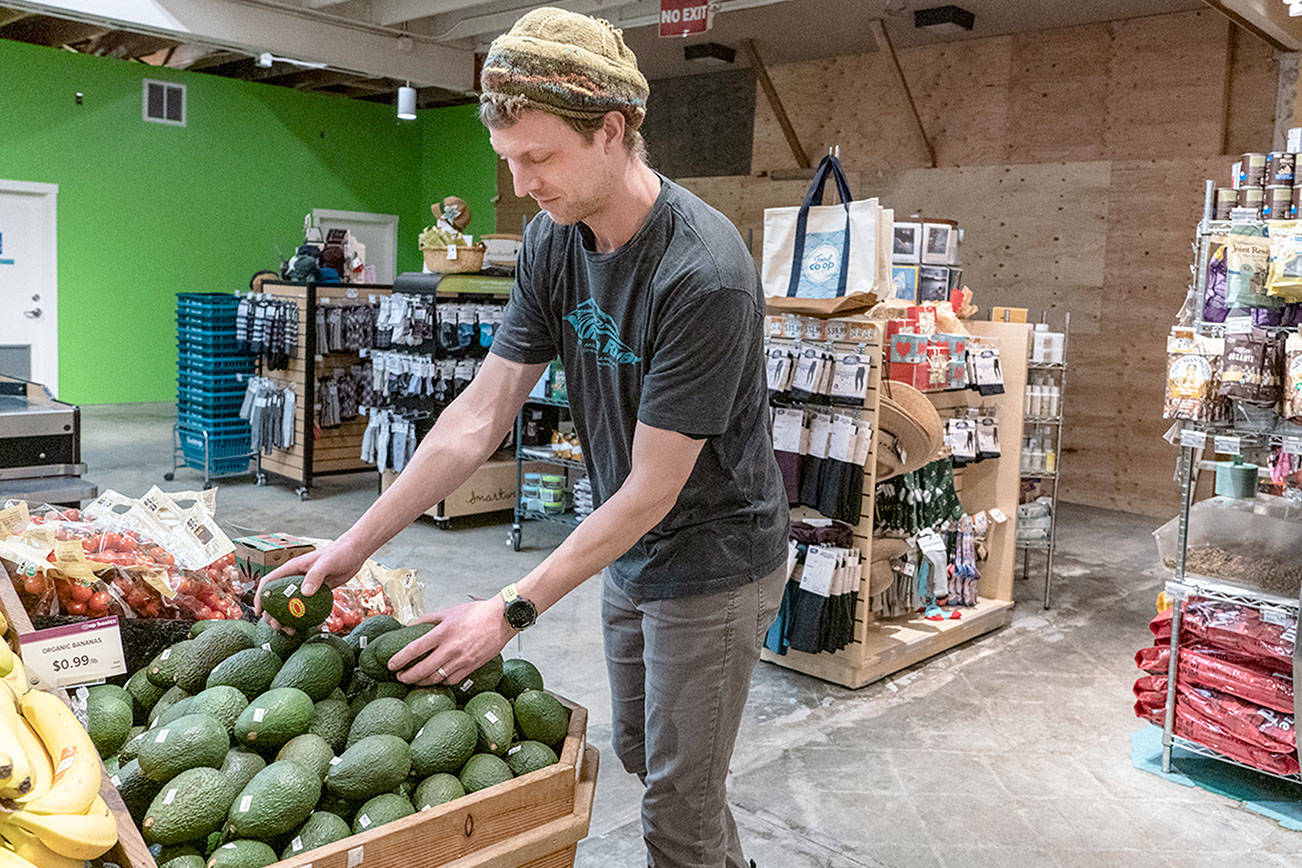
(910,433)
(880,574)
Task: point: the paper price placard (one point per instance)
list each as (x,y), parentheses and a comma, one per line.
(1193,439)
(75,654)
(1227,445)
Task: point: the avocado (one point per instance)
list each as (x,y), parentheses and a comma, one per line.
(240,765)
(242,853)
(314,668)
(374,659)
(136,788)
(541,717)
(381,809)
(518,675)
(169,698)
(179,856)
(190,741)
(529,756)
(144,693)
(376,764)
(283,599)
(310,751)
(344,809)
(346,652)
(492,716)
(274,718)
(161,671)
(180,708)
(331,719)
(250,671)
(111,690)
(191,805)
(319,829)
(425,702)
(338,693)
(129,750)
(276,801)
(482,680)
(444,743)
(382,716)
(436,790)
(108,720)
(281,644)
(368,629)
(220,701)
(482,771)
(211,647)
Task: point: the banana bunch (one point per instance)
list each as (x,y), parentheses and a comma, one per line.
(51,813)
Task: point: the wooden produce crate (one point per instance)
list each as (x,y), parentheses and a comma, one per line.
(535,820)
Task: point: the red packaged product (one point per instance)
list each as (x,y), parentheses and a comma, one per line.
(1189,724)
(1250,723)
(1220,670)
(1235,628)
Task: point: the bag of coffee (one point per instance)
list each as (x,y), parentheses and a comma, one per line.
(1193,366)
(1252,366)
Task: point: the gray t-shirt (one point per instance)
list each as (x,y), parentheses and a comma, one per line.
(668,330)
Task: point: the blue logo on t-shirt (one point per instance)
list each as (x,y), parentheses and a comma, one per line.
(599,336)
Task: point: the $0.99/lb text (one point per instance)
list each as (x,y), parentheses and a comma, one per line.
(74,654)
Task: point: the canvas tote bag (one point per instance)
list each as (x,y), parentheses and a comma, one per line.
(823,259)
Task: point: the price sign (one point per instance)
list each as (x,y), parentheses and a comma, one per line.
(997,515)
(1227,445)
(1293,445)
(1193,439)
(76,654)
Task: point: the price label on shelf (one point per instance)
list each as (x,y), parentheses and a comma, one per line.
(1227,445)
(1193,439)
(1293,445)
(997,515)
(75,654)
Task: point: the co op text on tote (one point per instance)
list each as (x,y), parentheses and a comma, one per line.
(827,259)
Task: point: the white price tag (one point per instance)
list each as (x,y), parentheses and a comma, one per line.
(1193,439)
(997,515)
(452,251)
(1227,445)
(1293,445)
(75,654)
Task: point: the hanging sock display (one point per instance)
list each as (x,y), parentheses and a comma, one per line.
(267,327)
(269,407)
(818,606)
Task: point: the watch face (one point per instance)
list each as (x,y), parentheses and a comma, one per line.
(520,614)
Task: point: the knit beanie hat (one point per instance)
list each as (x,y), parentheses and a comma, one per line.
(567,64)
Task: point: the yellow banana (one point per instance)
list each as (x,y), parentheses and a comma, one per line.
(7,657)
(4,626)
(77,836)
(10,859)
(42,769)
(17,678)
(76,764)
(20,779)
(28,846)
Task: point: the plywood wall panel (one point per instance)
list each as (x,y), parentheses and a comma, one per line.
(1057,95)
(1254,80)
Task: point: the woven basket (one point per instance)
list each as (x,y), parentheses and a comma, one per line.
(468,259)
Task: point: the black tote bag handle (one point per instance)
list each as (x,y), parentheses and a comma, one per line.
(829,166)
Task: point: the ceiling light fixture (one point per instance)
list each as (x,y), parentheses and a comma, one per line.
(709,53)
(943,19)
(407,102)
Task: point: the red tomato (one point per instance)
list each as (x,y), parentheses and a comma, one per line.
(76,607)
(93,543)
(34,584)
(153,609)
(137,599)
(81,593)
(99,603)
(127,543)
(163,557)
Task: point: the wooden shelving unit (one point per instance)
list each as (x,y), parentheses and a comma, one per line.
(334,450)
(883,646)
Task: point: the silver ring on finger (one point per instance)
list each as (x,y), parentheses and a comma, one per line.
(442,673)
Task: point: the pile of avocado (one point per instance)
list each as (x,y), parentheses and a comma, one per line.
(243,745)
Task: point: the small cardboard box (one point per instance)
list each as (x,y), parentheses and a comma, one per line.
(258,555)
(1008,314)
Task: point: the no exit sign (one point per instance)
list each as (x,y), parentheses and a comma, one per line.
(684,17)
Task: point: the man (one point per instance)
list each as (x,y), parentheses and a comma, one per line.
(652,303)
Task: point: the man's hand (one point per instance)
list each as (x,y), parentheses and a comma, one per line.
(333,564)
(465,638)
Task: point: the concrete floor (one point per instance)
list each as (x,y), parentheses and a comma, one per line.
(1011,750)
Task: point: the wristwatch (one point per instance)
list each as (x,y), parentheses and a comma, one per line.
(520,613)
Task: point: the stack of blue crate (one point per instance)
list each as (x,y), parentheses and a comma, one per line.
(211,378)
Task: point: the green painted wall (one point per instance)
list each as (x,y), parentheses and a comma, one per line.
(456,160)
(148,210)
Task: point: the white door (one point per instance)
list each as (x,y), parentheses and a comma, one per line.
(379,232)
(29,282)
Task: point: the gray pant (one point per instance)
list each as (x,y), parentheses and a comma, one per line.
(679,675)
